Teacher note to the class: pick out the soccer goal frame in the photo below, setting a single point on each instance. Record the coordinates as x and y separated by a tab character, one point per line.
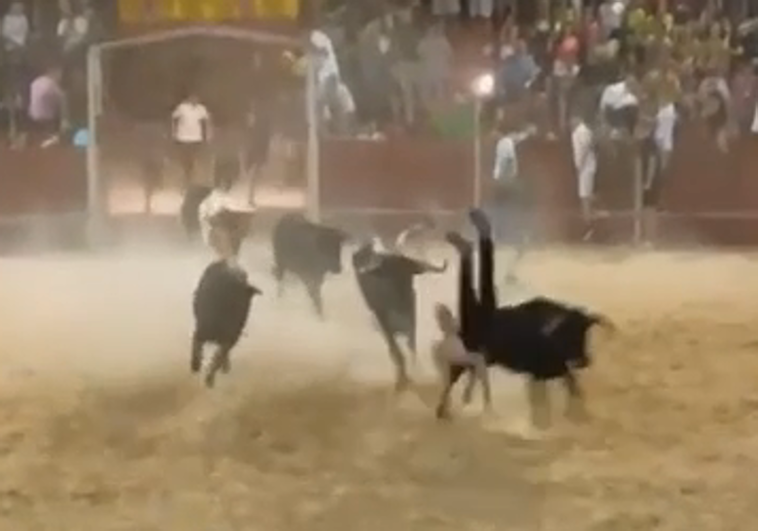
97	199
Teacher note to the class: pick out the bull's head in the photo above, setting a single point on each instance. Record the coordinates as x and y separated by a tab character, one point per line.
331	242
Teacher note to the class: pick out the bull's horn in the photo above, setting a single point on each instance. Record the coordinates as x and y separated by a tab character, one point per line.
605	322
402	238
431	268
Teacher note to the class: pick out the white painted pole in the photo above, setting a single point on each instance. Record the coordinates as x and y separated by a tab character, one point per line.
477	153
639	178
313	195
95	206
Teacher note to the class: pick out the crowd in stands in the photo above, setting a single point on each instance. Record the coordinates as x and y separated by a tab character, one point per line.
43	66
411	68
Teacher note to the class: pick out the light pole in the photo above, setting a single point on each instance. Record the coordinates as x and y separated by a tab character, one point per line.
482	89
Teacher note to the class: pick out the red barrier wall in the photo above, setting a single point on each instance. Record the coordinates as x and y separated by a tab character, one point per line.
42	181
413	174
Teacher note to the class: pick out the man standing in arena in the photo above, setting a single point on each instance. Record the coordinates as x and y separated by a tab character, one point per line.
191	124
657	150
509	195
585	163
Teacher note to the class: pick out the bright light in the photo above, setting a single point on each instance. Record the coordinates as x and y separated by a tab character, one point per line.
483	86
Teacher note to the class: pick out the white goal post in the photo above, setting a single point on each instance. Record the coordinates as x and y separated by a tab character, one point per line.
96	192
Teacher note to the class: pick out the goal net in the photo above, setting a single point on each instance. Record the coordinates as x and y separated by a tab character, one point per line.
135	84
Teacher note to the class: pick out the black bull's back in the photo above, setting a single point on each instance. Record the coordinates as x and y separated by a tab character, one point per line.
306	249
388	291
540	337
221	304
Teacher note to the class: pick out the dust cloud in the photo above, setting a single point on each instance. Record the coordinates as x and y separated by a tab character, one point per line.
104	428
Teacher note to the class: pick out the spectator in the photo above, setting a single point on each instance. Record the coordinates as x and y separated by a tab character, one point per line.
376	74
619	107
328	78
15	29
565	72
436	56
585	164
715	101
46	105
611	14
406	68
191	131
15	34
446	8
73	28
481	9
656	153
517	72
509	192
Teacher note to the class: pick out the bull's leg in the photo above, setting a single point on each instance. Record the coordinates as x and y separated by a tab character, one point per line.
487	296
468	304
575	406
220	359
196	354
278	273
313	287
452	375
539	404
396	354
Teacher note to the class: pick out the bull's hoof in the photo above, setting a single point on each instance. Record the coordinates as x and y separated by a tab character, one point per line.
402	384
481	222
443	413
459	242
577	413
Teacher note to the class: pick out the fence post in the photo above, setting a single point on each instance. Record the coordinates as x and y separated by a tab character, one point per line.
638	190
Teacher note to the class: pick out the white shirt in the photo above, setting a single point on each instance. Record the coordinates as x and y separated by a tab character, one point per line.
73	30
754	127
506	158
216	201
582	147
16	29
325	60
665	121
189	119
617	96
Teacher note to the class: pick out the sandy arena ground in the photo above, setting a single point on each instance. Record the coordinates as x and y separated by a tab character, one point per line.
103	428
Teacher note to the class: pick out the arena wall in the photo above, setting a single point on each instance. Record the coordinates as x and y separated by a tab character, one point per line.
390	179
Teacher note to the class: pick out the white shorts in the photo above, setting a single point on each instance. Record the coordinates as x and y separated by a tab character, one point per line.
586	182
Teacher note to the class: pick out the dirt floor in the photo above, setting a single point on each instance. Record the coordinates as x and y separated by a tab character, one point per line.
102	427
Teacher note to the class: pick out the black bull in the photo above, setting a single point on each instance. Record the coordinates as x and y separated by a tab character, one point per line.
386	282
221	305
309	251
541	338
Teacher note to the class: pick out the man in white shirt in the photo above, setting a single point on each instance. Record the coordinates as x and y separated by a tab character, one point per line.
585	163
73	28
327	73
15	28
190	131
656	152
508	194
619	107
